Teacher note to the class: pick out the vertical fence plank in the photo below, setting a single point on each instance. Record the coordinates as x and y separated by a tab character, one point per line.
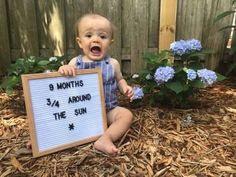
4	39
26	25
167	23
153	28
139	33
212	37
43	28
112	10
13	31
126	23
80	8
190	20
53	38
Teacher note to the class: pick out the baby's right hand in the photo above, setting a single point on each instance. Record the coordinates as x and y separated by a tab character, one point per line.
67	70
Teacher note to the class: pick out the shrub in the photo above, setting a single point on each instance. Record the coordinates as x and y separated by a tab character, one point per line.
175	82
29	65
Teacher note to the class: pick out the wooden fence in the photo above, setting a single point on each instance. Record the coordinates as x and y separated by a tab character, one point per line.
46	27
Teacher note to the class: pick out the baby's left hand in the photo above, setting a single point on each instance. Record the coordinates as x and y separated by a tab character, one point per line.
128	91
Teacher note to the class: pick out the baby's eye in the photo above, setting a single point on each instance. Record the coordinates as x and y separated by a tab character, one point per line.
88	35
103	36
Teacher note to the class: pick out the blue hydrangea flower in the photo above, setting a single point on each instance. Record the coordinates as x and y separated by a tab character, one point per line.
138	93
182	47
194	45
163	74
191	74
179	47
208	77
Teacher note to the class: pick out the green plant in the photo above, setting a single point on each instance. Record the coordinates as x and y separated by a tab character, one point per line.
175	82
29	65
232	50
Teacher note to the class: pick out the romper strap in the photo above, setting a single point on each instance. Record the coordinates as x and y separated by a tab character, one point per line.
107	58
79	60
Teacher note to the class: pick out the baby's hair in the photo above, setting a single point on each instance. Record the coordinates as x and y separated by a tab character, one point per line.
93	15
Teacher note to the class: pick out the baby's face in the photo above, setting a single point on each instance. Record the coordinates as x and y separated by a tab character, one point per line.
95	37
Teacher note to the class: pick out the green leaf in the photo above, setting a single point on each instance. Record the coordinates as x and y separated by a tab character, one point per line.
220	77
197	84
202	53
195	65
227	27
9	90
10	82
43	62
177	87
224	14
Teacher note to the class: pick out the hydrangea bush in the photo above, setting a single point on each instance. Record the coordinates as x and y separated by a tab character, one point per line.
175	82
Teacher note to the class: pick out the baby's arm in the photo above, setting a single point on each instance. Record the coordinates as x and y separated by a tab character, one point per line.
69	69
122	84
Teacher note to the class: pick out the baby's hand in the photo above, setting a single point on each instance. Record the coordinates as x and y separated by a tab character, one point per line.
128	91
67	70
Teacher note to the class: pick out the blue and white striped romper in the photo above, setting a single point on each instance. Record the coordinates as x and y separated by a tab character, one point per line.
109	81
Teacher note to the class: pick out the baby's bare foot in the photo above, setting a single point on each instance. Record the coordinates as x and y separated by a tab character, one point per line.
105	145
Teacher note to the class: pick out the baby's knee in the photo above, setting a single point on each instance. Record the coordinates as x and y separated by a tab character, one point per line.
129	116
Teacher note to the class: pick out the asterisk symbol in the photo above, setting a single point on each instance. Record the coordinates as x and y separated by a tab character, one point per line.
71	126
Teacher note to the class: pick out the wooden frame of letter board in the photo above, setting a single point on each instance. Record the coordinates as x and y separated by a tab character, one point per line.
30	115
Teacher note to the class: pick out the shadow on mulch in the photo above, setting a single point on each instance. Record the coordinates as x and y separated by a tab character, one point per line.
162	141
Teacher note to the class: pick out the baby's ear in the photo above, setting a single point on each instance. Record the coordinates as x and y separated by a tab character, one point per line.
112	41
78	40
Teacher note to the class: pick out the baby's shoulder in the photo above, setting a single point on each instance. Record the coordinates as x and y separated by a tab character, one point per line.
113	61
73	61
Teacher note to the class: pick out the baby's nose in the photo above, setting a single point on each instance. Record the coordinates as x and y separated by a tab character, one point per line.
96	39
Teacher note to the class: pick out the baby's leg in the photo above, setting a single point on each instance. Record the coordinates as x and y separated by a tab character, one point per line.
119	120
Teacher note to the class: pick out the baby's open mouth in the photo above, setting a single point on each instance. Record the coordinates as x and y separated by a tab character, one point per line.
95	50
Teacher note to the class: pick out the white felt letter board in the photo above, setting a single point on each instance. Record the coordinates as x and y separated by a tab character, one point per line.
64	111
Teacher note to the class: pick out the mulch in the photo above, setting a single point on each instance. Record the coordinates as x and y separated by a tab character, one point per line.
162	141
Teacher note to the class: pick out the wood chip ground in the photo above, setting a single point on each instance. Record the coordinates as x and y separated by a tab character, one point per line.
160	142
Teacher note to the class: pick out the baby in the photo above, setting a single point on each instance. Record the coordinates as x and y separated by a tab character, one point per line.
94	35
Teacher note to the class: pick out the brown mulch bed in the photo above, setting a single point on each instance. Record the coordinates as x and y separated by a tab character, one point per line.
160	142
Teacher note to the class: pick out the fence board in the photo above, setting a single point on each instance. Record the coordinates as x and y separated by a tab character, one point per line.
167	24
43	27
74	10
52	14
139	35
219	40
112	10
190	20
27	28
4	39
13	31
154	15
126	23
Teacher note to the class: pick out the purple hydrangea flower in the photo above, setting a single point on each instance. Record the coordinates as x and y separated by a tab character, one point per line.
179	47
182	47
138	93
191	74
208	77
163	74
194	45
